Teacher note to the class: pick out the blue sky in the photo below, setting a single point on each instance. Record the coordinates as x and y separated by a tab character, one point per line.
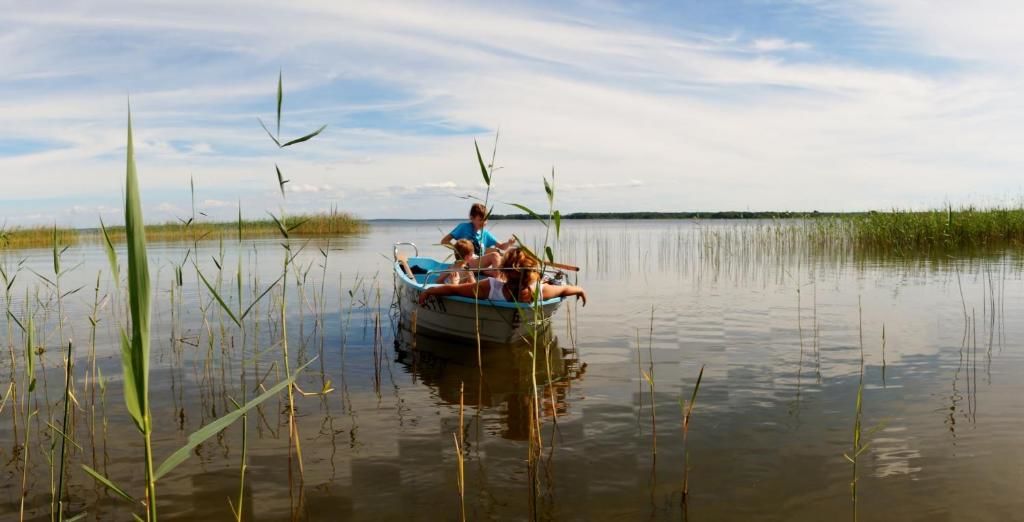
674	105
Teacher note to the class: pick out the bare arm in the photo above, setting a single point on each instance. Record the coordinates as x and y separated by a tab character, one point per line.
508	243
447	239
552	291
480	288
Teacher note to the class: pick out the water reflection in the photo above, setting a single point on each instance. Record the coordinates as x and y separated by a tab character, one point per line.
779	333
505	383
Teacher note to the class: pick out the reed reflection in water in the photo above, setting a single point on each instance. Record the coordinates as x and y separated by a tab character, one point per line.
775	325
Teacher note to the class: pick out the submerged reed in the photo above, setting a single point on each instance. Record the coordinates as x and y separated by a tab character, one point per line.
687	410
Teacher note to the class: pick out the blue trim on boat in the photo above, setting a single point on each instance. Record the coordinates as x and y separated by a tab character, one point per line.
429	264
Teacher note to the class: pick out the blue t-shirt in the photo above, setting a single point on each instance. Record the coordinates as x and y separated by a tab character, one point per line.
482	239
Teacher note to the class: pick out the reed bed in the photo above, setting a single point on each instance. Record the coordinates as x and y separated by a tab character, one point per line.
35	236
48	438
966	230
324	224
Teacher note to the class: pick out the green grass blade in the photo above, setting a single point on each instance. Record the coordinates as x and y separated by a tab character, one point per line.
16	321
557	217
64	436
278	143
10	390
297	225
526	209
219	299
280	226
30	365
72	292
56	253
108	246
693	397
216	426
483	168
131	399
44	278
139	293
306	137
280	179
280	98
108	483
525	248
265	292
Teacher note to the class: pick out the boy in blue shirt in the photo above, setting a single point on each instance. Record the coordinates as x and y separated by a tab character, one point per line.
485	245
474	231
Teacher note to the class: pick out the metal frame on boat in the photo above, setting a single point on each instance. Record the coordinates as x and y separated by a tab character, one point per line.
500	322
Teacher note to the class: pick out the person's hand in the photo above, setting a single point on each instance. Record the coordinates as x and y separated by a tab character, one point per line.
423	298
582	296
511	241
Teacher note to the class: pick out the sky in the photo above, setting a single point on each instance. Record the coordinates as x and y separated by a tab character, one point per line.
634	106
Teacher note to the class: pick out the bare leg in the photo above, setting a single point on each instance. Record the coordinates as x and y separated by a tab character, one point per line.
404	262
490	260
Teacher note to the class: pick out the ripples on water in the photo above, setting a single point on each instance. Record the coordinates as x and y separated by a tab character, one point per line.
775	325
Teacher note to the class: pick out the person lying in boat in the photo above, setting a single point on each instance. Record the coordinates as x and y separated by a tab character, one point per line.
464	258
484	242
521	274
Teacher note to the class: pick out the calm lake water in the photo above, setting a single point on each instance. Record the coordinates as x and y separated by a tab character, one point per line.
781	333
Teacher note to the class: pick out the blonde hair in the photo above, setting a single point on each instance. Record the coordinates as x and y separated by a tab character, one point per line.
521	274
463	248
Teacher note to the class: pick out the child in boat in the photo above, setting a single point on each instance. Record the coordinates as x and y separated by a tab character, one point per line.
521	279
473	230
464	258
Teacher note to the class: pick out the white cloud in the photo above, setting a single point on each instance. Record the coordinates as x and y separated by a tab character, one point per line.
218	203
170	210
779	44
306	187
632	183
982	32
691	121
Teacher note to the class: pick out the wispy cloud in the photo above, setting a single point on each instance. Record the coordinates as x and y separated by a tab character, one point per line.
719	115
779	44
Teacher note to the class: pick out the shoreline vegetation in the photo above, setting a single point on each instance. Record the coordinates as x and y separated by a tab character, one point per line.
894	232
302	225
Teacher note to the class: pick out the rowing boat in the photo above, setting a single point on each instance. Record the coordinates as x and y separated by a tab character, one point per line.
498	322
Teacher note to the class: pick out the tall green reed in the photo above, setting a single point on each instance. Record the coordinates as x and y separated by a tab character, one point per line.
28	331
135	357
537	323
286	228
687	410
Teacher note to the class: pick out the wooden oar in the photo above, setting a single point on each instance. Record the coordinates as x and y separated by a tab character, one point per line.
561	266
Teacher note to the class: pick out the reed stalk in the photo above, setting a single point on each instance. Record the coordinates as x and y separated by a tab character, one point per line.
135	356
68	376
687	409
8	278
459	445
28	329
286	229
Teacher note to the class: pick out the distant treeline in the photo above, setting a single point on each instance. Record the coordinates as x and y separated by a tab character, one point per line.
685	215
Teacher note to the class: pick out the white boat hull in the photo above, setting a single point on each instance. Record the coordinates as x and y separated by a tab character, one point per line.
459	317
